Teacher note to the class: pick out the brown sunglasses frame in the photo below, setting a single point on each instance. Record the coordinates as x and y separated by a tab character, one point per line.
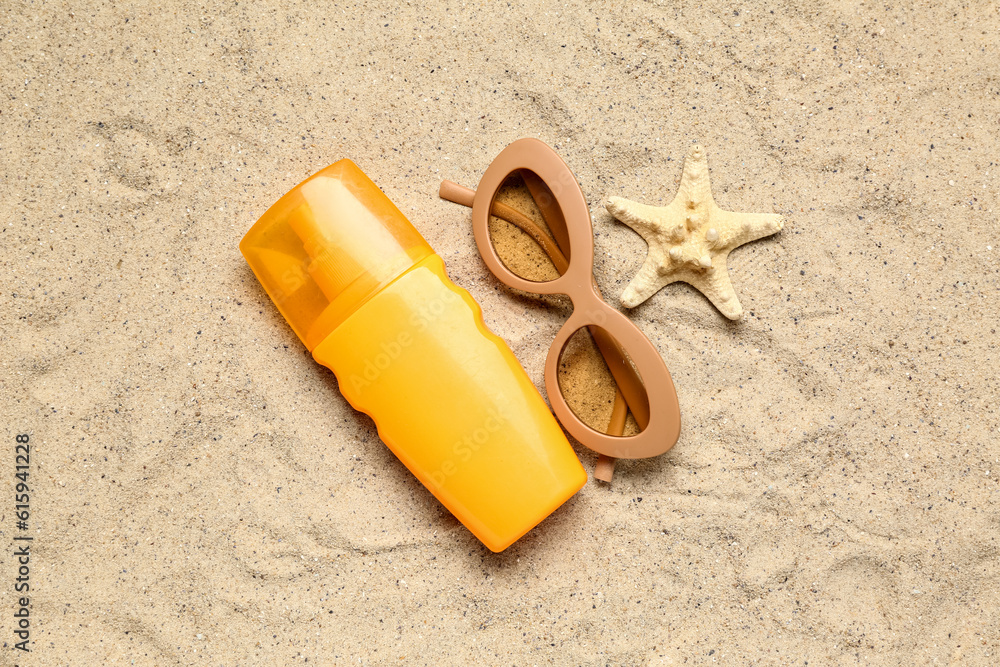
577	282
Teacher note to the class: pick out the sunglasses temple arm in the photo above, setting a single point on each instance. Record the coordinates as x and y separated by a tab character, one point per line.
547	206
605	468
456	193
459	194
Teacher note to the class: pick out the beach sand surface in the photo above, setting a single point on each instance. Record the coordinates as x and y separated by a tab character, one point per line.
202	494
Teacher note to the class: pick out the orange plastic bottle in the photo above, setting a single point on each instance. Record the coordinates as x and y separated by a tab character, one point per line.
370	299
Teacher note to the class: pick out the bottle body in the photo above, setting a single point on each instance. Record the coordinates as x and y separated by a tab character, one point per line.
454	404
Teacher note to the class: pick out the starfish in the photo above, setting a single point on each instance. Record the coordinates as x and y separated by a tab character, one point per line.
690	239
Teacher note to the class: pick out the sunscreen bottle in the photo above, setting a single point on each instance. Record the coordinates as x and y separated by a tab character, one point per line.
371	300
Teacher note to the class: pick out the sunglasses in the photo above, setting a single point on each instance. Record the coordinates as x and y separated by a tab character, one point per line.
644	386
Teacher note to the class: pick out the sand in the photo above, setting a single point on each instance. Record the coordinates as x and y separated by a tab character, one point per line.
200	492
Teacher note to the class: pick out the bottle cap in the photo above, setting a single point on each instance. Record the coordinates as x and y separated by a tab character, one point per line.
327	246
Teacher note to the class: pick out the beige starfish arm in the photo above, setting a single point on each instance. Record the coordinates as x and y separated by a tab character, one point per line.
735	229
644	219
716	285
646	283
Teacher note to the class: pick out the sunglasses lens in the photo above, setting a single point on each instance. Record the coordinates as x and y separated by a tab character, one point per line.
527	229
590	389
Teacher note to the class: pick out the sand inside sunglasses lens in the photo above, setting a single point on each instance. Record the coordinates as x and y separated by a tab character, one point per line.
519	251
587	383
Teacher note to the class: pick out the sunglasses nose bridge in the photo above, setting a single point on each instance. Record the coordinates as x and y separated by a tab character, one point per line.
588	309
578	284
